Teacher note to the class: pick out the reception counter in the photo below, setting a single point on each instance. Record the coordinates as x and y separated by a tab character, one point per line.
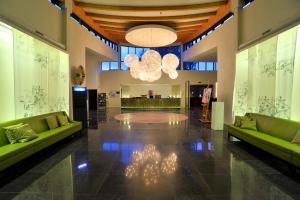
140	103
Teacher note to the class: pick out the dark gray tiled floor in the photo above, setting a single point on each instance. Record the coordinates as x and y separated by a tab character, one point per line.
209	167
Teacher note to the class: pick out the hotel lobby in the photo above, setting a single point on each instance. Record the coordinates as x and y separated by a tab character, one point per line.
133	99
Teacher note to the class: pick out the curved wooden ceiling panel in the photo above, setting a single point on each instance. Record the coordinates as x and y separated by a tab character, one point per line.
145	3
100	7
154	18
187	17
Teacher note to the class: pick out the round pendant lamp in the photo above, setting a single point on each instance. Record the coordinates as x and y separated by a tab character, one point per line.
151	35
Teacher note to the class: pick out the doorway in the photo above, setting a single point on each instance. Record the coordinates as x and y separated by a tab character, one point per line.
196	92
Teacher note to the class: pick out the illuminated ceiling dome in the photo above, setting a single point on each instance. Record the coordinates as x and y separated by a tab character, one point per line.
151	35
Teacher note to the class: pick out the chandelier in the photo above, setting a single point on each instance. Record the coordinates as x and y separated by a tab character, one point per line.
151	65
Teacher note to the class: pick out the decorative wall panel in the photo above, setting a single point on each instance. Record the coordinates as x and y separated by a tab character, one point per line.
267	75
40	76
7	107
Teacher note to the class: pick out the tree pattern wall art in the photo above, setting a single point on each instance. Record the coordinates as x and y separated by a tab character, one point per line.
40	76
267	77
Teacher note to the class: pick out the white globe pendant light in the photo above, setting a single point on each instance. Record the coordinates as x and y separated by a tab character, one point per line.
152	60
169	63
131	60
134	72
173	74
151	66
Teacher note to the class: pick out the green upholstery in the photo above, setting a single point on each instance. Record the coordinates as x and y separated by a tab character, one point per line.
296	139
249	124
52	121
296	158
12	153
20	134
281	128
268	137
63	120
11	133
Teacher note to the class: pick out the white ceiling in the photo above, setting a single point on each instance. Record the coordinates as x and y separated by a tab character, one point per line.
211	54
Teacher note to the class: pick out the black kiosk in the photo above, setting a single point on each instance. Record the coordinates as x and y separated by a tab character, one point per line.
80	111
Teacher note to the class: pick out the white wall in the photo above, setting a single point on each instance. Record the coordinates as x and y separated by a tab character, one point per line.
225	40
78	41
35	15
92	69
264	15
112	81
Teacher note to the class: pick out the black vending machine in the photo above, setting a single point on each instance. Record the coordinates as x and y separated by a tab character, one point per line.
80	111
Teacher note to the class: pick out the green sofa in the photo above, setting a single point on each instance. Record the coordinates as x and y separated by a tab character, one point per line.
13	153
273	135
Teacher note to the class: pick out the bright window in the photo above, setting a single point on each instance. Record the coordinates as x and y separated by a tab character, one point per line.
200	66
109	65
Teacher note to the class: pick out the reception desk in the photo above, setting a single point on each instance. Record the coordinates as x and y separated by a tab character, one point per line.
140	103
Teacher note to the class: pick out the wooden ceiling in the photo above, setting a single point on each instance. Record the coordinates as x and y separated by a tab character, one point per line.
112	19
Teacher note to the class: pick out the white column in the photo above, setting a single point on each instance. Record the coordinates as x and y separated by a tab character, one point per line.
217	116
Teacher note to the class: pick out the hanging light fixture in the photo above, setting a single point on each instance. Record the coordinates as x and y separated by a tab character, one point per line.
151	35
131	59
152	59
173	74
169	63
151	66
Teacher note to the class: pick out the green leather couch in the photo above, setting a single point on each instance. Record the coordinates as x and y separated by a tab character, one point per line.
273	135
13	153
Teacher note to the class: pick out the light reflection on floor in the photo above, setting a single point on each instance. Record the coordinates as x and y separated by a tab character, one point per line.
150	165
151	117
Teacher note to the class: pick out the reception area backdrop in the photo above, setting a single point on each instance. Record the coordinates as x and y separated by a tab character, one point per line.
34	76
267	77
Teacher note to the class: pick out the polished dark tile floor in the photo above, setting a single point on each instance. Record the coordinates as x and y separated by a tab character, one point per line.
92	166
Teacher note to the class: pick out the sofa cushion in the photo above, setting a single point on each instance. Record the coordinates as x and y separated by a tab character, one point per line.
55	132
296	139
280	128
12	133
249	124
63	120
20	134
238	120
27	133
52	121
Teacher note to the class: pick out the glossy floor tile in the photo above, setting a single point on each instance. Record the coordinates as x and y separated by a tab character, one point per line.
174	160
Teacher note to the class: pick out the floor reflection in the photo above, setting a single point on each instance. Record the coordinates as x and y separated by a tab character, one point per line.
200	146
150	161
149	165
151	117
